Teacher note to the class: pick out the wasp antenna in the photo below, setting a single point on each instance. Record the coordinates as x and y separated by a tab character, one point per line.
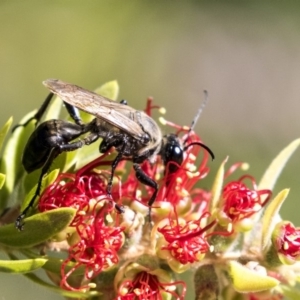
203	146
195	120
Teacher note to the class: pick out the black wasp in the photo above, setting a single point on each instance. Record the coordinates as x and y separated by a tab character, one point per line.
133	133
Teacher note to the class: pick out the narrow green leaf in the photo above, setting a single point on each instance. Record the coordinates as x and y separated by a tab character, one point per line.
69	161
245	280
53	110
22	265
54	265
2	180
109	90
217	186
4	130
271	217
86	155
65	293
11	160
38	228
273	171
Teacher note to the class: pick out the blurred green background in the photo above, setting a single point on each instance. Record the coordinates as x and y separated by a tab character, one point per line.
245	53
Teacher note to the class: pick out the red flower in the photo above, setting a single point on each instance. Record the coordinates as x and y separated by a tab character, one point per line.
96	250
150	285
240	202
186	241
286	239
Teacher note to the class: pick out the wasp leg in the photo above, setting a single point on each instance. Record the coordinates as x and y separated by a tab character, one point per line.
19	224
74	113
145	179
114	165
19	221
106	144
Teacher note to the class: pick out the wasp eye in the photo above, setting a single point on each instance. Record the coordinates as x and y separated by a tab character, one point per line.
172	152
145	138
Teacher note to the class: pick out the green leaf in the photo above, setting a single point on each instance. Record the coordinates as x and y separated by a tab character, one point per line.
246	281
206	283
38	228
86	155
54	265
21	266
290	293
109	90
273	171
217	186
53	110
65	293
69	161
4	130
2	180
11	160
271	217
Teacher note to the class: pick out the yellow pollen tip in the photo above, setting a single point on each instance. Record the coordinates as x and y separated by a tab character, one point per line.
192	157
203	222
138	292
185	127
179	180
245	166
157	176
162	120
193	169
124	291
193	226
184	192
81	213
92	285
109	219
229	227
162	110
192	174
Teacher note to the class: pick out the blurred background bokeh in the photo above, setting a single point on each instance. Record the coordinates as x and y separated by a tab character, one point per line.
245	53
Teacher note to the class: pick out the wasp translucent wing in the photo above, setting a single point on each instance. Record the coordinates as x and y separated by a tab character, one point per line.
121	116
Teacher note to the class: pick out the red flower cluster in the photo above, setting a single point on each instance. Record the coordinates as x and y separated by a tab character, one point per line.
99	240
181	214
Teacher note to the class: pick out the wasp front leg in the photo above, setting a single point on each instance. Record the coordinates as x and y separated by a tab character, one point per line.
145	179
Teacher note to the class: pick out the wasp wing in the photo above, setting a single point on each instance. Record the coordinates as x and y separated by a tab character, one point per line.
119	115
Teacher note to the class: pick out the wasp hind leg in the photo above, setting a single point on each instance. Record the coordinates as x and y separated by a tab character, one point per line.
19	224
